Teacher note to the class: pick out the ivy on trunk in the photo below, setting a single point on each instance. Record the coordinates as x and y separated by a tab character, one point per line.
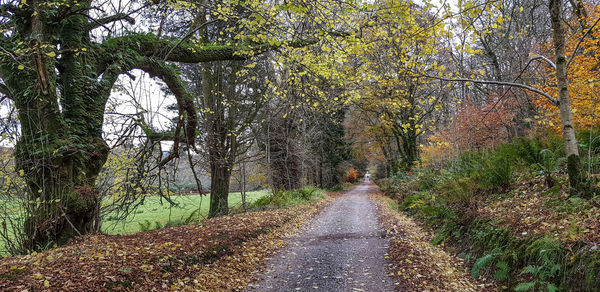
60	81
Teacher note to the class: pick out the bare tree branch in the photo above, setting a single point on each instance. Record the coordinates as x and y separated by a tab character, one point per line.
552	64
513	84
103	21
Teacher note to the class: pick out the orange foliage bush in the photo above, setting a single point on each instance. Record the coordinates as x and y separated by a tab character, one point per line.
475	127
480	127
352	175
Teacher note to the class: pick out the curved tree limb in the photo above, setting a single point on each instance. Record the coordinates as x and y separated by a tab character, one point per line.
552	64
142	54
187	119
512	84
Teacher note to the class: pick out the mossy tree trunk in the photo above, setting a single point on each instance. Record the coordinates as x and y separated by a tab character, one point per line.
406	141
60	151
220	176
60	81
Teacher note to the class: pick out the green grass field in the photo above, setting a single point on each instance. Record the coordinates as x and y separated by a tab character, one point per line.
153	211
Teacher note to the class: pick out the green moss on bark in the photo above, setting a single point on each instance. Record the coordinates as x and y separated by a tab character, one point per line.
574	170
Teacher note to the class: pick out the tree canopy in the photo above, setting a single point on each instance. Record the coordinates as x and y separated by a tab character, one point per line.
303	90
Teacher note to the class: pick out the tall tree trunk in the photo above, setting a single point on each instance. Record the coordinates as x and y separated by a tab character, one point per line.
564	102
410	149
243	170
220	172
286	169
321	172
219	189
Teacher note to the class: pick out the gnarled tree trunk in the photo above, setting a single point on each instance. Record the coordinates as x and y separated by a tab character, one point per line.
60	81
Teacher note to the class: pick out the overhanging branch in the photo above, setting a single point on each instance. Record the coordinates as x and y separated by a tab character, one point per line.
170	49
552	64
504	83
149	45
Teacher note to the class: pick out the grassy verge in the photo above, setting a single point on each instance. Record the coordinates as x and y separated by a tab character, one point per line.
221	254
156	213
288	198
508	214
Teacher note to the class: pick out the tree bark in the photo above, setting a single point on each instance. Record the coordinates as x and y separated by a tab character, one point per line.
219	189
284	164
243	171
564	102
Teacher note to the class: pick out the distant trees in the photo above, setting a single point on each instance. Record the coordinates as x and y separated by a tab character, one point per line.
352	175
330	147
396	100
305	146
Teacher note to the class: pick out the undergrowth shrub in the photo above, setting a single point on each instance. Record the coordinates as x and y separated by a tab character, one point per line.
446	200
399	185
492	171
289	197
261	202
457	190
583	269
496	173
546	256
427	180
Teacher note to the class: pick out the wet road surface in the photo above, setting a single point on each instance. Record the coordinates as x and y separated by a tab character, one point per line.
342	249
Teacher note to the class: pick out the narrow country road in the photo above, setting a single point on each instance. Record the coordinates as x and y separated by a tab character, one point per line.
342	249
